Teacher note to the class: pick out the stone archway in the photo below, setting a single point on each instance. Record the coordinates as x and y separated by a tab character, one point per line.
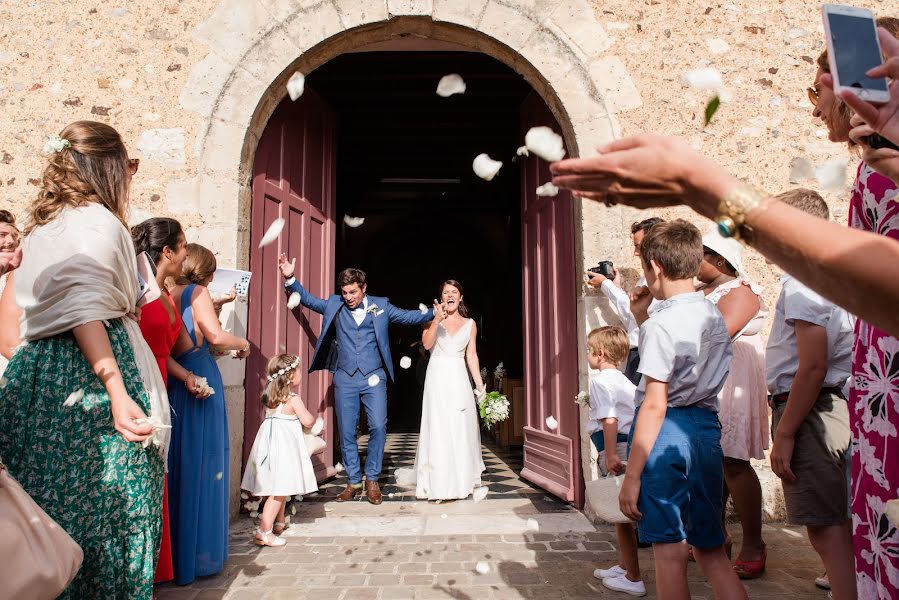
558	46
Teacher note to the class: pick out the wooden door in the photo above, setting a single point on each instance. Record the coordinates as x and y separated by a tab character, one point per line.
551	456
294	178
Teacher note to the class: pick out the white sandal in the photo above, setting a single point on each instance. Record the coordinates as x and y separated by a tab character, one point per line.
279	527
267	539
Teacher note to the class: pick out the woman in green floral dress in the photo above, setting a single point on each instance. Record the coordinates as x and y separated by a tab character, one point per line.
74	429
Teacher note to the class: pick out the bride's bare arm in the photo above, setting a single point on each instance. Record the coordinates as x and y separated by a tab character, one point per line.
471	357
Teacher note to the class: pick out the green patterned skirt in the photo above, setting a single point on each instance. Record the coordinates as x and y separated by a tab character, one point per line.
104	491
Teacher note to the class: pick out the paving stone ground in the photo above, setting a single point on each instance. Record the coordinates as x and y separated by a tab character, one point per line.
415	550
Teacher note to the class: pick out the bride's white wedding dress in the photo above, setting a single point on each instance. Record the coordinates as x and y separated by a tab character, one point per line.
448	463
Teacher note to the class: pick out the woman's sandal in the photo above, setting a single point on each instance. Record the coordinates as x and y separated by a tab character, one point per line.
279	527
267	538
751	569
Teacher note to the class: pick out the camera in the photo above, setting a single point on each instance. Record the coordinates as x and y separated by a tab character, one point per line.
604	268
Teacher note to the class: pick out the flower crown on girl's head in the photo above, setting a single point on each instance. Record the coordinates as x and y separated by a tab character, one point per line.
285	370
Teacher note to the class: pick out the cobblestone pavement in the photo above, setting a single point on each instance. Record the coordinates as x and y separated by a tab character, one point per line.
426	550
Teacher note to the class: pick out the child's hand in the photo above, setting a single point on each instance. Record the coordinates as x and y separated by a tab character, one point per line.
614	465
627	498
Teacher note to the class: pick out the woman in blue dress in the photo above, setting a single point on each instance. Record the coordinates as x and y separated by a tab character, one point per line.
198	459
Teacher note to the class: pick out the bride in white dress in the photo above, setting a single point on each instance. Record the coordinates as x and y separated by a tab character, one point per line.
448	463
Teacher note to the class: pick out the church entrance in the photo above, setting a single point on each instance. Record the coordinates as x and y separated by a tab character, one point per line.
370	139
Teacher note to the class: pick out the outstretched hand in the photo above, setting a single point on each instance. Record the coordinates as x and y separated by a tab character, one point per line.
287	266
439	311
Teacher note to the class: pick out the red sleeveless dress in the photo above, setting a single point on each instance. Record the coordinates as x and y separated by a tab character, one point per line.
161	334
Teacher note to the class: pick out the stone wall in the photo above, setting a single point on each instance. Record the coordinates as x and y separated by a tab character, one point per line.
191	84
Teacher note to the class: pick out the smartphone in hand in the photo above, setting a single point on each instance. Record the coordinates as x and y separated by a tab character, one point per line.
853	49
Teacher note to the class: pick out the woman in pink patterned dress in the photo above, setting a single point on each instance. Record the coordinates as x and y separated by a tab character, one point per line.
874	385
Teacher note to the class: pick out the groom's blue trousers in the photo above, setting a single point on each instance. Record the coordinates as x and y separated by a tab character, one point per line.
350	391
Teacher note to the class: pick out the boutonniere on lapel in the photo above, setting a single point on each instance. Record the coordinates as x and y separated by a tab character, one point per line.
373	310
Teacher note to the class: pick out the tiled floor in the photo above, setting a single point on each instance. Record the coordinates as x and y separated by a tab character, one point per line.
501	475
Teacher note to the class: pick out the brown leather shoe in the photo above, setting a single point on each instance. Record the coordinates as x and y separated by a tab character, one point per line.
349	493
373	492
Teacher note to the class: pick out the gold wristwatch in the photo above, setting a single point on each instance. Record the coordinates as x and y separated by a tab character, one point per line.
733	209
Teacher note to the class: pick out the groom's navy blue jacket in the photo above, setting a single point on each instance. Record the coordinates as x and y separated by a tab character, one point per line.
358	352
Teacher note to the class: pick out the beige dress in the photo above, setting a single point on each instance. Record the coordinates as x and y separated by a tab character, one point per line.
744	397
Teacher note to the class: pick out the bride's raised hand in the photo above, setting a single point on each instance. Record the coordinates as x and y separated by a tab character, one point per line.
439	312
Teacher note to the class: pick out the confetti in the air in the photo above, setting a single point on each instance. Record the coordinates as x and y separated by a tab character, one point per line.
703	79
545	143
293	301
800	169
485	167
274	230
480	493
547	189
551	422
450	84
422	308
353	222
443	516
338	467
831	176
522	151
373	381
405	362
317	426
295	85
218	476
482	567
74	397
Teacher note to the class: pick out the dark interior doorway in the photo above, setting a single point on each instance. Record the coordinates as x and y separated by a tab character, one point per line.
404	158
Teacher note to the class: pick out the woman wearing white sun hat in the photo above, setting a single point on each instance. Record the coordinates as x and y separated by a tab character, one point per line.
744	407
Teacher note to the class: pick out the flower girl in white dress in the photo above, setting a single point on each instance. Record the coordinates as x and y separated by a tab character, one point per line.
448	463
279	465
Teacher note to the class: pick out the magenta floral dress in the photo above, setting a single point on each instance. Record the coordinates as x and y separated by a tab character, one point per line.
874	412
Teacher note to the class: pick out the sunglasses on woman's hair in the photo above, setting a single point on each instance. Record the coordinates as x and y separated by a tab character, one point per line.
133	164
812	96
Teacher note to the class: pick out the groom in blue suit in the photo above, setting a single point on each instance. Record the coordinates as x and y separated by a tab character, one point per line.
353	344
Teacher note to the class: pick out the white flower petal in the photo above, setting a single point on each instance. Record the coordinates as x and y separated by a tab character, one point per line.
405	476
450	84
244	496
480	493
274	230
74	397
373	381
443	516
219	475
547	189
338	467
293	510
545	143
353	222
298	497
287	520
296	85
317	426
254	514
703	79
390	495
532	525
522	151
801	169
831	176
422	308
405	362
482	567
485	167
293	301
717	46
552	423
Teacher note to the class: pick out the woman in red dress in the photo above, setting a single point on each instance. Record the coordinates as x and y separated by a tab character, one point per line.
163	240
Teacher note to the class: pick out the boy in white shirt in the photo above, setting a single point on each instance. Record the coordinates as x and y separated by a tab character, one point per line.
611	414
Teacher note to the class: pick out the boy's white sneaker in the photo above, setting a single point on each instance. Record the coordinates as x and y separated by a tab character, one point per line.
612	572
622	584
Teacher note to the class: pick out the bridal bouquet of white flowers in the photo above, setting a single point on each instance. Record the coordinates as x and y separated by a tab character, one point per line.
493	408
582	398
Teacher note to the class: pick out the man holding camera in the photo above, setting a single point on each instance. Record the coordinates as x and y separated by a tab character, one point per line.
606	277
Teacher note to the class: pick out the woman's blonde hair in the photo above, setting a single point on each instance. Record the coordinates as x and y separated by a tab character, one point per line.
280	372
198	267
93	168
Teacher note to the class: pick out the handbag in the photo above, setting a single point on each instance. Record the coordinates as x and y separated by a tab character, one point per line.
38	559
602	498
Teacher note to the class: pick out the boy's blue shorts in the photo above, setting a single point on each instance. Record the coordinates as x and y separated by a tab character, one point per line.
682	483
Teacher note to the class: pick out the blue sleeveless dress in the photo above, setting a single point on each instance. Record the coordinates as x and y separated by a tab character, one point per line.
198	464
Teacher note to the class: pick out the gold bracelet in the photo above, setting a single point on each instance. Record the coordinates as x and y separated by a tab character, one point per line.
733	209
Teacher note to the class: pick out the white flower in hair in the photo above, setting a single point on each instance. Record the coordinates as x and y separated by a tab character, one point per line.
56	144
285	370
